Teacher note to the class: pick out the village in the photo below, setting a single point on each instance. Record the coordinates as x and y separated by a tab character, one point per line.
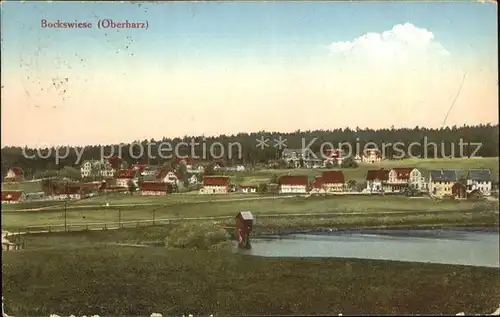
185	175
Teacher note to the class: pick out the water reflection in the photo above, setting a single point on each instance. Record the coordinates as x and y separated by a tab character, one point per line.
462	247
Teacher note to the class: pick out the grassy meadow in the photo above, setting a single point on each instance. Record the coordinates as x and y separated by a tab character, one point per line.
349	205
124	281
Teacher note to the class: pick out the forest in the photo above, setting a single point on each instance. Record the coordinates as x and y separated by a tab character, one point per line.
34	162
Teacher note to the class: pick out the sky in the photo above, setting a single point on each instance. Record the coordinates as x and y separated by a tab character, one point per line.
210	68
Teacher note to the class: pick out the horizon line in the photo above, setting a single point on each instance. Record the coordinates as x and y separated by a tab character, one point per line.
234	134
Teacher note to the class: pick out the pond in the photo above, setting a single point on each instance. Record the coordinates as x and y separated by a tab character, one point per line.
471	246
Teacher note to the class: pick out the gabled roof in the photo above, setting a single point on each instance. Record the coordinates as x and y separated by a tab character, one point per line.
13	195
153	186
17	171
125	173
317	183
332	177
402	172
245	215
443	175
380	174
215	181
293	180
115	161
479	174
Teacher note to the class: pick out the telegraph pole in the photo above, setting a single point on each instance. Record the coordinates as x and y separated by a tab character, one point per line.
66	215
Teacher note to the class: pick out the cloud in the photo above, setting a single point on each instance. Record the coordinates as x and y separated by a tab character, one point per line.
403	40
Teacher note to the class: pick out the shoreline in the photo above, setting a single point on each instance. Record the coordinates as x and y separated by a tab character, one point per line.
410	227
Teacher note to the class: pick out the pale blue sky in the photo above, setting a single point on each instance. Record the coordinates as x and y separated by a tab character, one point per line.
210	40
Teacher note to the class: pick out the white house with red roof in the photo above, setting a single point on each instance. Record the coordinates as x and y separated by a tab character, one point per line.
154	188
123	178
404	177
167	175
293	184
215	185
13	197
15	174
333	181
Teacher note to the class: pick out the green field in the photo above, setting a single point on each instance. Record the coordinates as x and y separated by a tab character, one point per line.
123	281
333	204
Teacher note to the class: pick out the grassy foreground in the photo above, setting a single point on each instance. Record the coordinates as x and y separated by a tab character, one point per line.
333	204
124	281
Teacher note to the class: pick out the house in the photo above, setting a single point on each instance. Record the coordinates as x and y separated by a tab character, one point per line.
215	185
168	175
371	156
115	162
417	180
13	196
192	179
95	168
399	179
333	181
459	191
441	182
294	157
376	180
317	186
293	184
247	189
15	174
66	191
123	178
154	188
333	156
479	179
139	168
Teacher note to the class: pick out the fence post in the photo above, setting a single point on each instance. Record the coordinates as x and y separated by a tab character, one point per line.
105	228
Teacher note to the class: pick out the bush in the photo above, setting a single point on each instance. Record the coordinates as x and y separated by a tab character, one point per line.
198	236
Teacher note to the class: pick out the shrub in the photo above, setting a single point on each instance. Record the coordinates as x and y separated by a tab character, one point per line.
198	236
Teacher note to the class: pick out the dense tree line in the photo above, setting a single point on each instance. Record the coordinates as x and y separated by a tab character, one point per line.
242	148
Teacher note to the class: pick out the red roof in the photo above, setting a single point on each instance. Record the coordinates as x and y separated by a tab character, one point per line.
17	171
11	195
333	153
293	180
115	162
215	181
125	173
333	177
138	167
380	174
403	172
318	182
153	186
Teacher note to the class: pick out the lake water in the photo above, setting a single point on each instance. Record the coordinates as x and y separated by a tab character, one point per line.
476	247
